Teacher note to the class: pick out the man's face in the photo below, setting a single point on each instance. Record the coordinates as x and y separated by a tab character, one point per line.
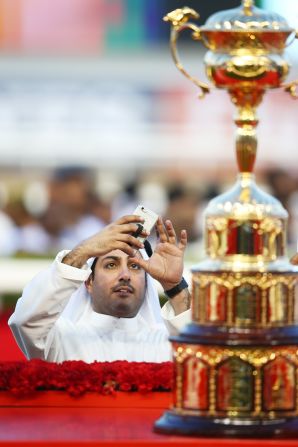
118	285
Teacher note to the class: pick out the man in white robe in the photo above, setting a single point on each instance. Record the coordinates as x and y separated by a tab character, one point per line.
110	312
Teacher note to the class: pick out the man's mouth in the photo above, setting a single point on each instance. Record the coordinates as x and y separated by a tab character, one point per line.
123	289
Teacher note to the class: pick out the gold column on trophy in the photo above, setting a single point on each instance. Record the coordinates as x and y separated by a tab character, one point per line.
236	363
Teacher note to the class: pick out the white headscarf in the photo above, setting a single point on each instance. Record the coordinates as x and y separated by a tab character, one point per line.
80	303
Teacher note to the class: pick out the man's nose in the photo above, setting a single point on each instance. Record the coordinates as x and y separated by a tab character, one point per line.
124	274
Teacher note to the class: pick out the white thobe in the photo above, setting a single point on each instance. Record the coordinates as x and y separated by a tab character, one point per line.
43	329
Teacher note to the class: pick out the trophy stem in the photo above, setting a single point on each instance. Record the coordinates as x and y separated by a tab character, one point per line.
246	138
246	121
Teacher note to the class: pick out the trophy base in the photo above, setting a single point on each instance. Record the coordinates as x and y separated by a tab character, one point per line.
185	425
194	333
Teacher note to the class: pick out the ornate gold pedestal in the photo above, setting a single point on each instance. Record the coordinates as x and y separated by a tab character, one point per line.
236	364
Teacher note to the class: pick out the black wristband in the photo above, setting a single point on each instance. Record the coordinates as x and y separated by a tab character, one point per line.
177	289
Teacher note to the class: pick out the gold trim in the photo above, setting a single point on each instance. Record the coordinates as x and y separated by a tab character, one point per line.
179	383
258	392
257	358
212	392
264	282
264	307
291	303
269	230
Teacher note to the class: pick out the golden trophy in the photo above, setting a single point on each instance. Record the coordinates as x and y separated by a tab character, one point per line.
236	363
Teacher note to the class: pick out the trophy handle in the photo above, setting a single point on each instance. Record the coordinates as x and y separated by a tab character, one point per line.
179	22
292	86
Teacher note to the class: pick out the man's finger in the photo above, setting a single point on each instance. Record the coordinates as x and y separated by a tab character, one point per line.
171	232
163	237
140	262
126	248
183	240
128	219
131	240
129	228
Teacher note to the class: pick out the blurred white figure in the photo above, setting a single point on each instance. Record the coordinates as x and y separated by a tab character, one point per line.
9	237
34	239
85	227
154	196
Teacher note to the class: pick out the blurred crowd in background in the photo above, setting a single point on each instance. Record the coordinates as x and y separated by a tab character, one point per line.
69	204
95	119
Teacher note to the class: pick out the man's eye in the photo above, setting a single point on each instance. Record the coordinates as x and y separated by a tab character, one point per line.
135	266
110	265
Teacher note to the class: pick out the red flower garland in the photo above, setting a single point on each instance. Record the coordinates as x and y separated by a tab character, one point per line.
76	377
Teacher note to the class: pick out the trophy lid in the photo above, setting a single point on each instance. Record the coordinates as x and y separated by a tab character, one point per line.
245	200
245	230
246	18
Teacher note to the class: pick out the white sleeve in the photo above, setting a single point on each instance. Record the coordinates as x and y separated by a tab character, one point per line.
42	302
174	322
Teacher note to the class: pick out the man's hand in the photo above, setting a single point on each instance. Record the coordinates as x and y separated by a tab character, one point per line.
167	262
115	236
294	259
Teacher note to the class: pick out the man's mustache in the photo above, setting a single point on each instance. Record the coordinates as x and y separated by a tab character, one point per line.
123	284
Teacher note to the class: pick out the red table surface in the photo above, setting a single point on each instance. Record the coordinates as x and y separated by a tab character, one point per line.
126	419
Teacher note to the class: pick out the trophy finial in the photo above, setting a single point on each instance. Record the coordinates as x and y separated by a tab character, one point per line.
247	7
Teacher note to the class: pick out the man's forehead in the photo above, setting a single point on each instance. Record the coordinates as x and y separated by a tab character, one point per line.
118	254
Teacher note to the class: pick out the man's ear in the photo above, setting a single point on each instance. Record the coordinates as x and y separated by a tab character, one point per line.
89	283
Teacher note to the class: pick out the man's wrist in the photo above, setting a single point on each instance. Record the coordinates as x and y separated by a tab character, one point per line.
175	290
75	258
181	302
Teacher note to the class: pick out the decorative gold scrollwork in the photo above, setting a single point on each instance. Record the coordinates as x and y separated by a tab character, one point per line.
247	67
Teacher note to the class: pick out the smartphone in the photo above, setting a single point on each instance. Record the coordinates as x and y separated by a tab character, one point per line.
150	219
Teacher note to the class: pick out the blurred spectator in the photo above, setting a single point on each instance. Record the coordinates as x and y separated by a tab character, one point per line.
126	201
8	235
30	236
182	209
47	218
70	216
44	216
283	186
